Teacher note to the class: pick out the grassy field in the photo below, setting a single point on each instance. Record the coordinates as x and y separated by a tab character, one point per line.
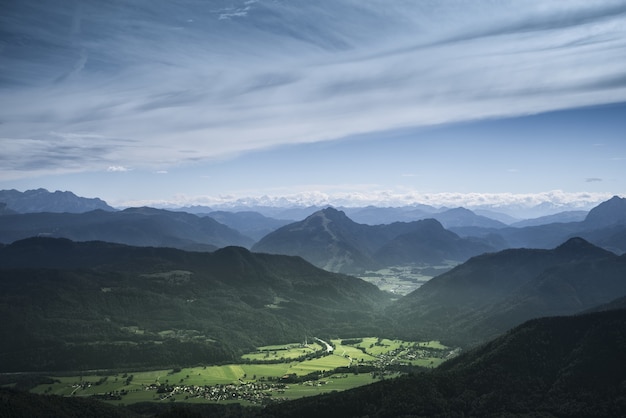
251	383
282	352
402	280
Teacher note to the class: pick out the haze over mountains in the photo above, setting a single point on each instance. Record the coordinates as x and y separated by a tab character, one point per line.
41	200
286	198
492	293
331	240
87	303
327	237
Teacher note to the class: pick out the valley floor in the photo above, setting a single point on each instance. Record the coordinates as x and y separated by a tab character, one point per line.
270	374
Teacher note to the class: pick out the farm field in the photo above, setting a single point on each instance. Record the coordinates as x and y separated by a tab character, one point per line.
270	374
402	280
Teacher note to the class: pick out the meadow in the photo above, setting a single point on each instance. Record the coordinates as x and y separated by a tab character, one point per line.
269	374
402	280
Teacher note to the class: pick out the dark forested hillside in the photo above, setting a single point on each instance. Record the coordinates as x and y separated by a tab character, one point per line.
551	367
489	294
71	306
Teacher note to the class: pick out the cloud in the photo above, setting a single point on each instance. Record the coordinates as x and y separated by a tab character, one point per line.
592	180
118	169
152	86
517	204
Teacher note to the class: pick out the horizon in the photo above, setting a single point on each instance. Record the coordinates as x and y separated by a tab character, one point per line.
524	208
341	103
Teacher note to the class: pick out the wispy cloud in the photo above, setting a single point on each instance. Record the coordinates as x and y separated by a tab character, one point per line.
514	203
152	86
118	169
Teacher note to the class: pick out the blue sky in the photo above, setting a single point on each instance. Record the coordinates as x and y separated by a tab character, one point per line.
342	102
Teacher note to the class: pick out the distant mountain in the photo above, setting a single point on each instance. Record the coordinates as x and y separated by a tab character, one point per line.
331	240
4	210
430	243
195	209
287	211
549	367
498	216
604	225
133	226
92	305
561	217
41	200
491	293
250	224
609	213
464	217
373	215
328	239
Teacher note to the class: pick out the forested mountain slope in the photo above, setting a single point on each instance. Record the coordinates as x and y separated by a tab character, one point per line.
71	306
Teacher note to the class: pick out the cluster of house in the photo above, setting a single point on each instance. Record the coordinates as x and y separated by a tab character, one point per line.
253	392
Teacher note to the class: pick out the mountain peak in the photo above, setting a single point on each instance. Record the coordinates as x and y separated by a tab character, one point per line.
575	243
580	247
41	200
611	212
331	214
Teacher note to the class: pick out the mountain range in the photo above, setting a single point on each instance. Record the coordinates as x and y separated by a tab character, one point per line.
58	296
604	225
328	237
41	200
331	240
133	226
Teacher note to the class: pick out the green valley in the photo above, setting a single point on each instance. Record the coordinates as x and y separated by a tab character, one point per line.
269	374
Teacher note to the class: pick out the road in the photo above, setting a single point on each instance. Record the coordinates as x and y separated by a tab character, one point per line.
329	348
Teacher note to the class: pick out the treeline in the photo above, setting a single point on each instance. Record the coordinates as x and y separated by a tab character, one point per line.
114	356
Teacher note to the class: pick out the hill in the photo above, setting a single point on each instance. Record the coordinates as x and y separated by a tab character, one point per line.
428	242
549	367
41	200
608	213
604	225
491	293
561	217
249	223
327	239
462	217
73	306
331	240
133	226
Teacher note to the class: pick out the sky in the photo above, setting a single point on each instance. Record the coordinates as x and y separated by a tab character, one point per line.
343	102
